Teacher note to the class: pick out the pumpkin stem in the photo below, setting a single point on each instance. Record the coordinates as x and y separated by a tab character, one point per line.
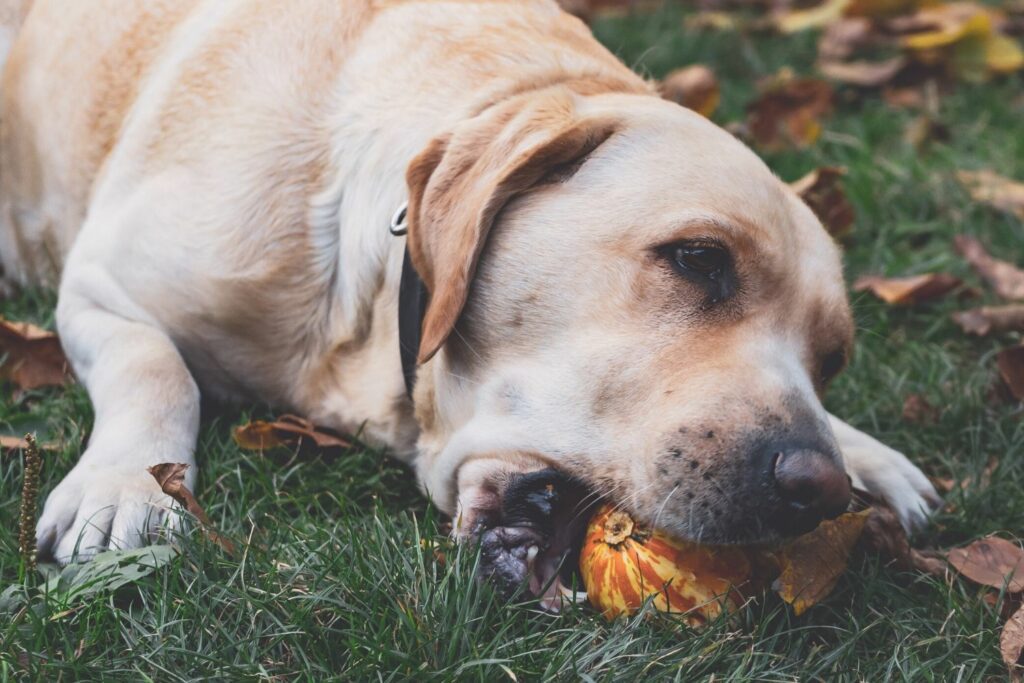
617	528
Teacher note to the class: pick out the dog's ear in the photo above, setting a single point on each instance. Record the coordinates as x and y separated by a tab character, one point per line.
459	184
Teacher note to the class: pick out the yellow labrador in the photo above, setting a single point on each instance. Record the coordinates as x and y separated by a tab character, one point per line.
617	291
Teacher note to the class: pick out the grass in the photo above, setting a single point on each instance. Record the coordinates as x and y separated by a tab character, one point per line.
339	576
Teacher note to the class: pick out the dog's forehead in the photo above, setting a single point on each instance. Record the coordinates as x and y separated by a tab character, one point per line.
668	166
665	159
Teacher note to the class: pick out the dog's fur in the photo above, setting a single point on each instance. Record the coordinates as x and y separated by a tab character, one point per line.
211	182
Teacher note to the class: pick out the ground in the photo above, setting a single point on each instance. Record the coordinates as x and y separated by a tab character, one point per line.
339	576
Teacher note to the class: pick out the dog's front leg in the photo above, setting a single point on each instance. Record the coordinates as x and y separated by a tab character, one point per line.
147	412
886	474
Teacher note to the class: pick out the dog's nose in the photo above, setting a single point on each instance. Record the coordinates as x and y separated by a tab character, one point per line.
812	485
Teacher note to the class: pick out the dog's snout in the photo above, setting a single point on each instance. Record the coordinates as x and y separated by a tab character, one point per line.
811	485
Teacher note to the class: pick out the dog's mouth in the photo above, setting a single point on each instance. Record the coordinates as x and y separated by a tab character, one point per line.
537	543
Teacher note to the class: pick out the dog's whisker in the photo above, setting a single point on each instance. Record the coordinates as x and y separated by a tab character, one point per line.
462	379
662	508
467	344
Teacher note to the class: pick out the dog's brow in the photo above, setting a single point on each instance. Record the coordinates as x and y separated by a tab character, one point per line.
715	225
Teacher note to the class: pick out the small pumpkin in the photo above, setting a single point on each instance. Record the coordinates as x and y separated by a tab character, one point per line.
624	564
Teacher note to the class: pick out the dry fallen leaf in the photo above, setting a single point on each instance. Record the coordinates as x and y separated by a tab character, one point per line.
1011	645
822	190
917	409
995	190
1010	363
695	87
979	483
1005	278
171	478
884	536
904	97
981	321
284	431
863	73
812	564
709	20
817	16
908	290
32	356
788	112
991	561
965	35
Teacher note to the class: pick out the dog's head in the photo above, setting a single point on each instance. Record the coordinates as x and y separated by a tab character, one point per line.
625	292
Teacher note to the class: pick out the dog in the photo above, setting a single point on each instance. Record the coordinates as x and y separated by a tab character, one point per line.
462	229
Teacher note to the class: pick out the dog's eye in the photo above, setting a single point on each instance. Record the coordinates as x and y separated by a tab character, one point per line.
708	260
831	365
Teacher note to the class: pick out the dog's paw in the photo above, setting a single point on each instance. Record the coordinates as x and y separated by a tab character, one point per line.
889	476
508	556
98	508
528	525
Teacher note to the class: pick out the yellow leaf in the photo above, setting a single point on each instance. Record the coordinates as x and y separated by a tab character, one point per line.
812	564
955	23
1003	54
814	17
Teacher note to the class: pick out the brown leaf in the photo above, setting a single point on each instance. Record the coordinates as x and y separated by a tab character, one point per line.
884	536
991	561
1010	363
911	290
32	356
947	484
995	190
286	430
171	478
788	112
918	410
841	40
695	87
863	73
981	321
1011	644
822	190
812	564
257	435
904	97
1005	278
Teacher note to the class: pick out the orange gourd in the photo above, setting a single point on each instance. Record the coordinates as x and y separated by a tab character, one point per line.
624	564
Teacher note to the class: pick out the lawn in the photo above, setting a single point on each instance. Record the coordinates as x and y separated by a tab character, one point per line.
344	570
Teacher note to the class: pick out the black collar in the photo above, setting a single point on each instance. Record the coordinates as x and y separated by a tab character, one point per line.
412	305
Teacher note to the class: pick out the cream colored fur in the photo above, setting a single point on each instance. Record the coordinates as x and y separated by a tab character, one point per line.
211	181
